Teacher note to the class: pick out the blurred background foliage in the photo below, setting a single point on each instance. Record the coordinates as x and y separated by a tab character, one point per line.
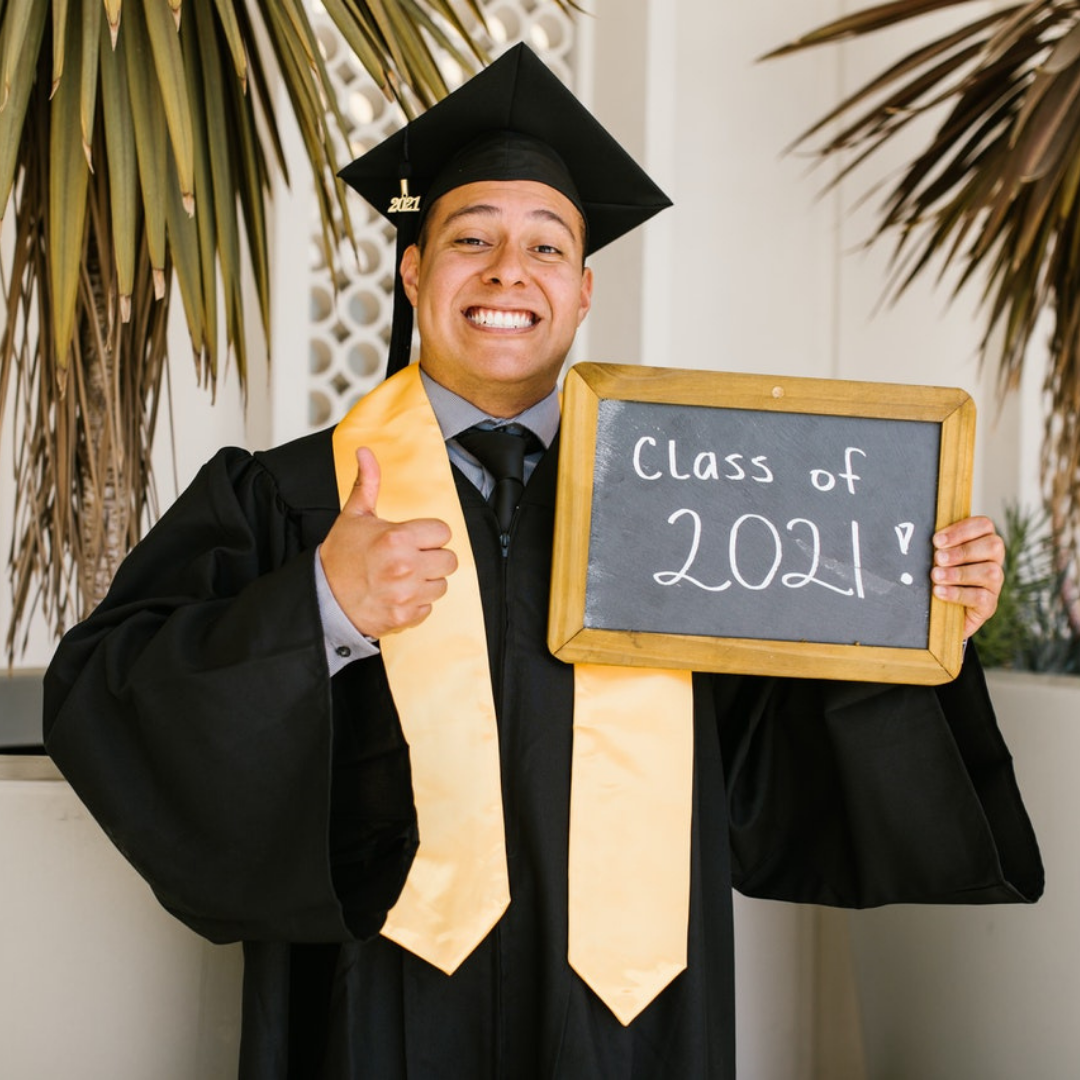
1034	627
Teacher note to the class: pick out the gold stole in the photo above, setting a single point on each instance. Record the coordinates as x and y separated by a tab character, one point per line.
630	807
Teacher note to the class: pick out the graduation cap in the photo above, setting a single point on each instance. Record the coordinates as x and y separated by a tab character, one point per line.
513	121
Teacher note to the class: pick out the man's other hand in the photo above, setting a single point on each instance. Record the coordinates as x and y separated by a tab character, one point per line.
969	557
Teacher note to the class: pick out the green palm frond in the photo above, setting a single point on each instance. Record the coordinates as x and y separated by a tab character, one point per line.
138	142
994	191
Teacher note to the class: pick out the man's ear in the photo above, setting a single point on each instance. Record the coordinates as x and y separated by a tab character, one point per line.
410	272
586	294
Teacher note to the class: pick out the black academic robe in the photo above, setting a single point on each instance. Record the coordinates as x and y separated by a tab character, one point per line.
266	802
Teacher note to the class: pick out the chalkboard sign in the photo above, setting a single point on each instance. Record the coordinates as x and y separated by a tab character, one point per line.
760	524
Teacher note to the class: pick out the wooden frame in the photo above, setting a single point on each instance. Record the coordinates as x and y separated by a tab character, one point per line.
571	640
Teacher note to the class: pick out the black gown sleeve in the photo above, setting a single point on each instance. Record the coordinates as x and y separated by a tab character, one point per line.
858	794
193	714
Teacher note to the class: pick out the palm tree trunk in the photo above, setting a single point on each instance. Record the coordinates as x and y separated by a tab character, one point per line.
105	502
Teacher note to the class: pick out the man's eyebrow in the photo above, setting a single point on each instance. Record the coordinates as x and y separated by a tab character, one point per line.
481	209
550	215
489	210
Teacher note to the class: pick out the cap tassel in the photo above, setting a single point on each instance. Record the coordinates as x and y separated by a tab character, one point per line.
401	326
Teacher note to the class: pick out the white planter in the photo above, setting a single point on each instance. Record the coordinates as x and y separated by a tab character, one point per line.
96	980
989	993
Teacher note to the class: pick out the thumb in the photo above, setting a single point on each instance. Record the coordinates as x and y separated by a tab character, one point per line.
365	492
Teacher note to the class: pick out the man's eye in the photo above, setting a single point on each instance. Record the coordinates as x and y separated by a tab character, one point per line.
471	241
548	249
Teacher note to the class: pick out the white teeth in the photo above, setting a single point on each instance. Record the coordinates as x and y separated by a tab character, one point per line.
500	320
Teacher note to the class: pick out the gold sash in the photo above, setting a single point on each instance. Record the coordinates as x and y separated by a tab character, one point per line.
629	866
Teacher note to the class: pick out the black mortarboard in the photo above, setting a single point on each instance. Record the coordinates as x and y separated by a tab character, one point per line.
513	121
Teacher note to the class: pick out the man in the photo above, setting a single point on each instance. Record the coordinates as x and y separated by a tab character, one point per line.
283	714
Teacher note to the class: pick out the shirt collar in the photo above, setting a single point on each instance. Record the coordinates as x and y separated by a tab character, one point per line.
455	414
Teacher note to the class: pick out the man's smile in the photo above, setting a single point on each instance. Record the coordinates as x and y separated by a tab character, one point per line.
494	318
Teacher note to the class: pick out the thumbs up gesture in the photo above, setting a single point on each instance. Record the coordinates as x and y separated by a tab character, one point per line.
384	574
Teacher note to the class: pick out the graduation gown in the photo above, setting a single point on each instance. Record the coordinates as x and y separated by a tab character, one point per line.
266	802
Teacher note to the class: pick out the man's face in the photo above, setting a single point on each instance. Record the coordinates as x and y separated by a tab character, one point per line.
499	291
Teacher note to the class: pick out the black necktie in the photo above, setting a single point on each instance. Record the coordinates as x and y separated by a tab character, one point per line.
502	452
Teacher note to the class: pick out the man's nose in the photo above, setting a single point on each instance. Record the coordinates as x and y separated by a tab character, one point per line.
507	267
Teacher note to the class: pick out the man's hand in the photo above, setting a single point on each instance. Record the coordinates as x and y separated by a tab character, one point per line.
968	561
384	574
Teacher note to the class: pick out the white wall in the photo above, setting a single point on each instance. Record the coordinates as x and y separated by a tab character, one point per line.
989	993
97	982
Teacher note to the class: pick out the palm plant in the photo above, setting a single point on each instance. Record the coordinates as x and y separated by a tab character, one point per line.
995	190
1035	627
137	144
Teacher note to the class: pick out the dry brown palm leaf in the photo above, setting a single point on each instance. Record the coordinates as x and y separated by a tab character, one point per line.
994	191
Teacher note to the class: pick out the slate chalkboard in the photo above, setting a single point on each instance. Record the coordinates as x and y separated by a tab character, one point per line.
759	524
